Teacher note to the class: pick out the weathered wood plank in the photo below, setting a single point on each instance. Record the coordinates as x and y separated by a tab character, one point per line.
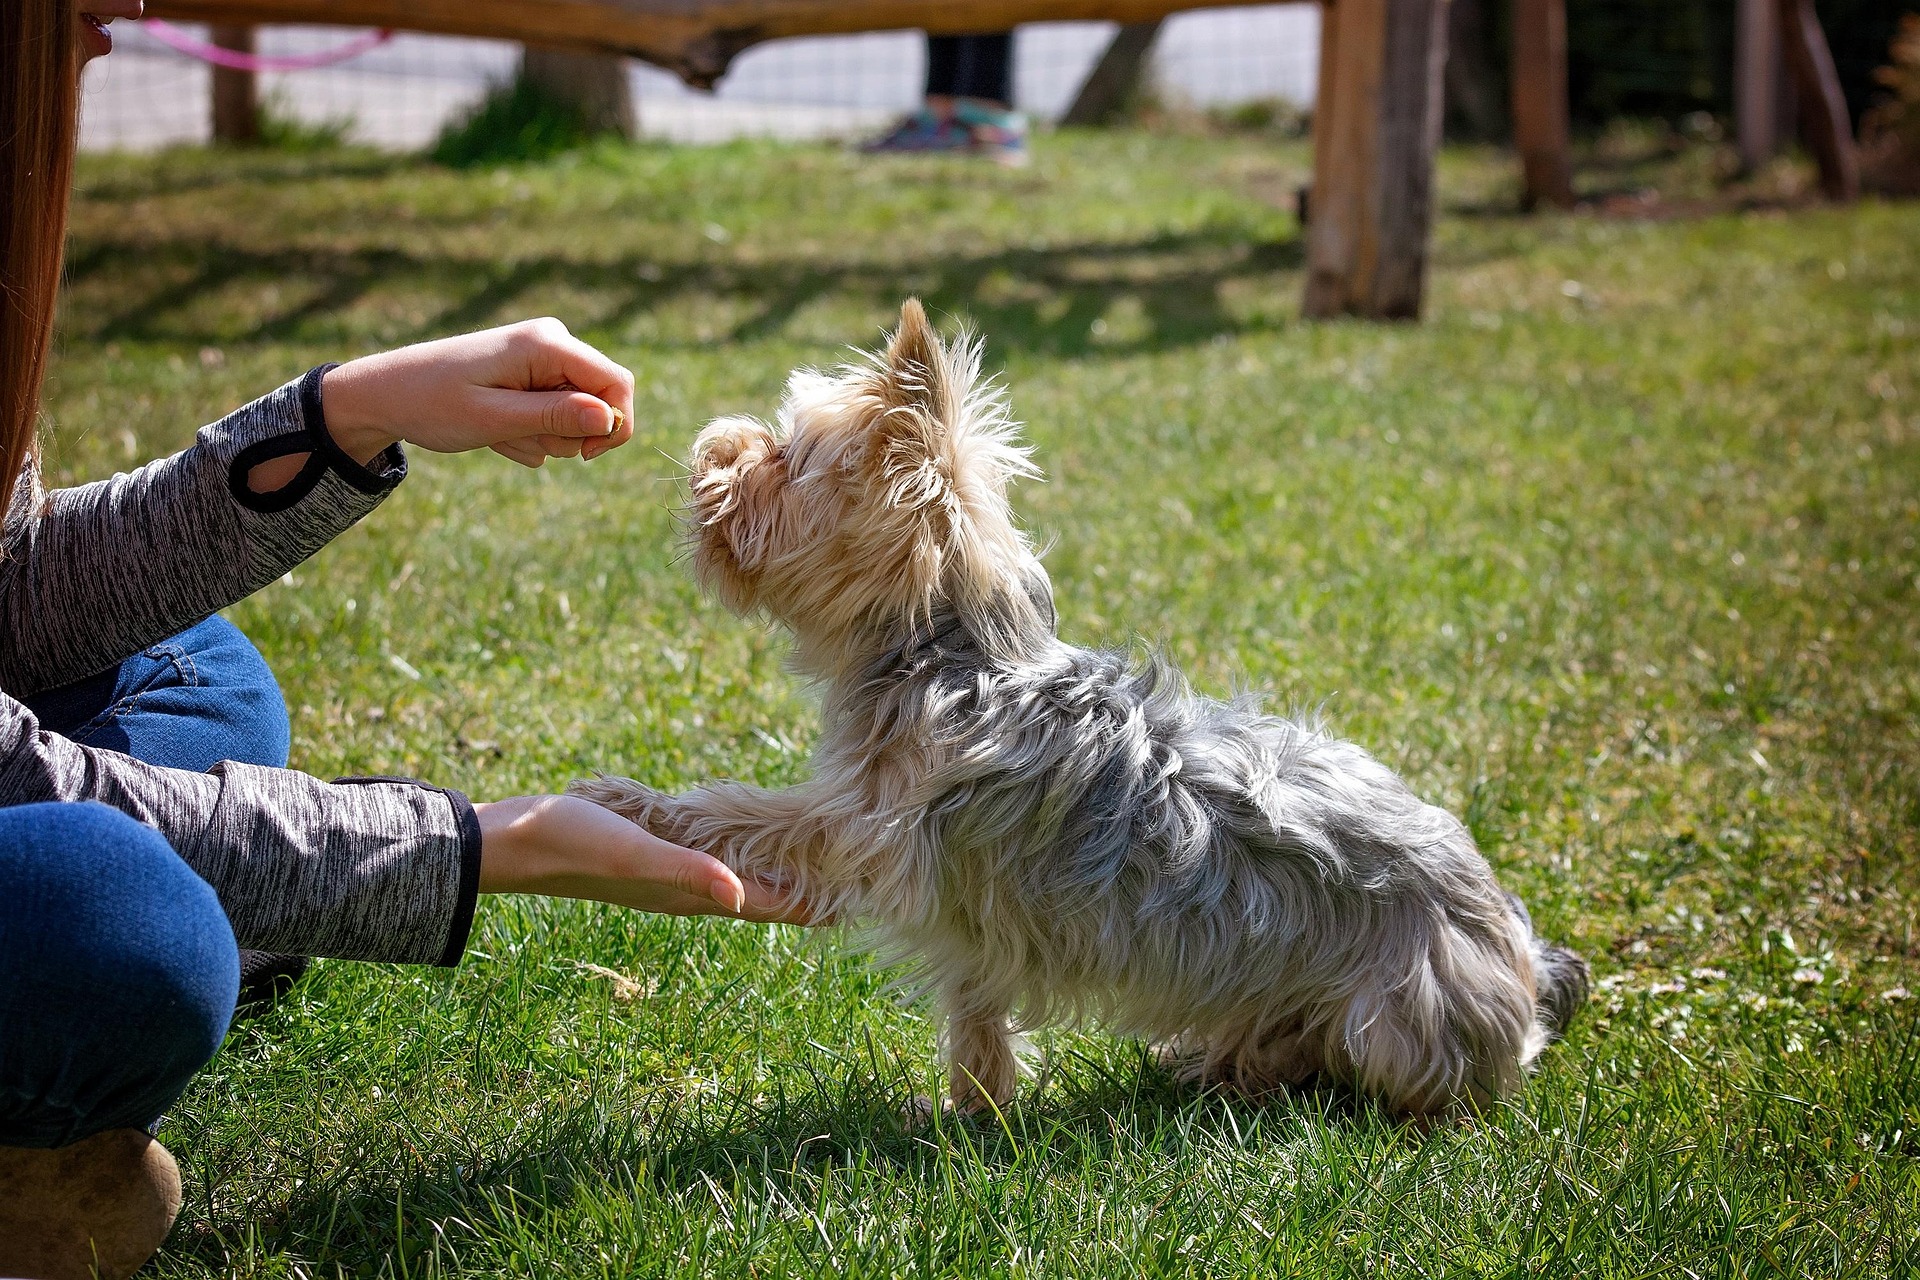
694	38
1541	131
1376	129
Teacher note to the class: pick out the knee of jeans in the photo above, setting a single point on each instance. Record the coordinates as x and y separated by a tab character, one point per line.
224	659
120	950
267	736
181	984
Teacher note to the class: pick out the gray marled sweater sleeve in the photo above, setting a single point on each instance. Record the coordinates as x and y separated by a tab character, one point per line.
369	870
96	573
375	869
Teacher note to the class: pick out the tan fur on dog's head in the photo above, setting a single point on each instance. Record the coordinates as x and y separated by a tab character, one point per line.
877	500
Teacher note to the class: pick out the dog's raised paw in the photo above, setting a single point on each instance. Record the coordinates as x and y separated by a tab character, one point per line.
634	801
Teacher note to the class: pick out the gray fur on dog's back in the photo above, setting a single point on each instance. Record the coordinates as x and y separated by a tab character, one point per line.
1165	861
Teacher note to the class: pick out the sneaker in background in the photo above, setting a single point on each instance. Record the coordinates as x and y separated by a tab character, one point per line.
995	131
923	131
972	127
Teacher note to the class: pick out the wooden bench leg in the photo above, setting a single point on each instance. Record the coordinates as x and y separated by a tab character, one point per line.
236	94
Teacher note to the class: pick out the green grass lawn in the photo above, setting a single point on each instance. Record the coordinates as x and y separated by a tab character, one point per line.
1615	556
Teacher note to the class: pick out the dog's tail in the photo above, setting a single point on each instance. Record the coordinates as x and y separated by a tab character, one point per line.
1561	978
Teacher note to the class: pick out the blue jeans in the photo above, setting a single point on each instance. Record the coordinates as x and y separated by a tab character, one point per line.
118	970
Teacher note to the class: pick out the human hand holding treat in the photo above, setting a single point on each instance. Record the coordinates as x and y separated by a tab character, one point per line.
528	391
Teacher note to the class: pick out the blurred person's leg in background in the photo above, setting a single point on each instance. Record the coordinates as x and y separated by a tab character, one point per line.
969	102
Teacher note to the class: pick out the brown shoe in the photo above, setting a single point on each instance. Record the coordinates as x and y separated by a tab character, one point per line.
98	1207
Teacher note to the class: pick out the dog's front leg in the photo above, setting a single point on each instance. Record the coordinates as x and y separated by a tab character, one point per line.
770	836
637	802
982	1070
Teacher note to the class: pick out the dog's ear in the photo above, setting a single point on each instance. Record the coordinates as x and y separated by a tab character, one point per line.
914	374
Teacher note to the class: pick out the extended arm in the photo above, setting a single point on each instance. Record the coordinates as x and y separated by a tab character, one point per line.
383	869
92	574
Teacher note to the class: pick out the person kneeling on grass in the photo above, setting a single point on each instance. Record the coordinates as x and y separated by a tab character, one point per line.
148	825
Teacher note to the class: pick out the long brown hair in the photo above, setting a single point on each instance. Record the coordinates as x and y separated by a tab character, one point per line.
39	118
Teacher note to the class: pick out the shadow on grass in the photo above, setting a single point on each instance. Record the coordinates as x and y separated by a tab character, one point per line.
1092	1115
1048	300
776	1146
196	168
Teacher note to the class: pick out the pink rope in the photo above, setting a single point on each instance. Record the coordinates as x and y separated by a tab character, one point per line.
173	37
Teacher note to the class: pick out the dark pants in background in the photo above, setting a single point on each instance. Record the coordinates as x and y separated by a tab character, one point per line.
971	67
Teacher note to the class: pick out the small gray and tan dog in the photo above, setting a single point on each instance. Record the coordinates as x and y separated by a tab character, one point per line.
1053	833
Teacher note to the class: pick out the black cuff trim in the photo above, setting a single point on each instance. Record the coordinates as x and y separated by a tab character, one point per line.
469	897
469	894
323	455
389	467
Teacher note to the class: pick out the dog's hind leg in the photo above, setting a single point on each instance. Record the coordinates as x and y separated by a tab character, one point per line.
1254	1059
1458	1028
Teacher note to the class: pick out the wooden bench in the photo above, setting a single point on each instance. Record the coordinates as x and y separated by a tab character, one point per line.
1376	122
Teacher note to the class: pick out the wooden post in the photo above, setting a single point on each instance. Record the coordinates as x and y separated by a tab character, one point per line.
595	83
1756	81
1375	130
236	94
1540	127
1824	122
1323	96
1327	73
1115	77
1476	94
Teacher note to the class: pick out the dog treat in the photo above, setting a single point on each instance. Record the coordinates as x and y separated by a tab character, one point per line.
1056	834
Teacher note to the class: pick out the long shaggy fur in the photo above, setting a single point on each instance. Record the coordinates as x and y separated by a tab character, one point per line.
1056	833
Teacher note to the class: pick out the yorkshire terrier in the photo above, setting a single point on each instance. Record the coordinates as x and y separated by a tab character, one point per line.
1053	833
